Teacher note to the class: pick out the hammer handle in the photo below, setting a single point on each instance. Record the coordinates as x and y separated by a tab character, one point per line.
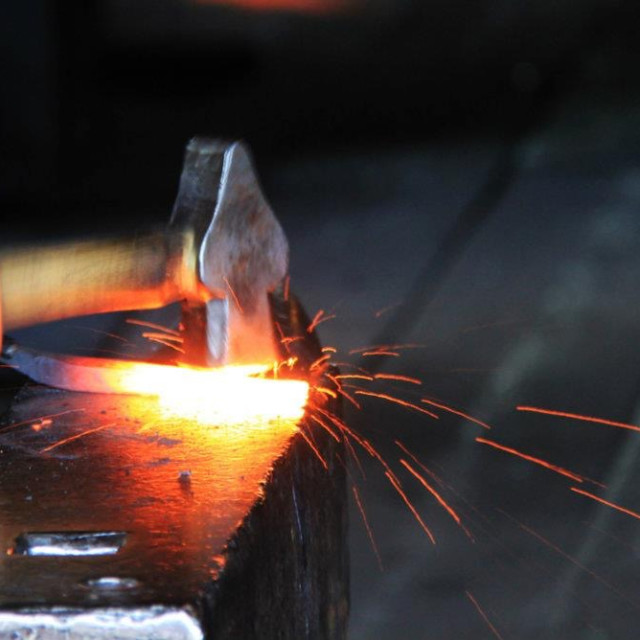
42	284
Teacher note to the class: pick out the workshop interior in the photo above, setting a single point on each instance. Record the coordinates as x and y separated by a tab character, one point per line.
426	211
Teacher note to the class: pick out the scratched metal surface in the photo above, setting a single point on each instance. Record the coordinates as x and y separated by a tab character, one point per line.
176	488
541	308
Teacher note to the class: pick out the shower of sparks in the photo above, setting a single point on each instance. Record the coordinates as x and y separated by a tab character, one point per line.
578	416
617	507
483	615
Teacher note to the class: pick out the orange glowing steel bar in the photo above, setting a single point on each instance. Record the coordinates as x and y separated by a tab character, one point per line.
228	394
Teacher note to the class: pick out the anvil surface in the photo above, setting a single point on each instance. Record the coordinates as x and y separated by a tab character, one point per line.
194	517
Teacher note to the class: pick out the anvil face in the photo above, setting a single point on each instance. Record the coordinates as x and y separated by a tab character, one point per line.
164	493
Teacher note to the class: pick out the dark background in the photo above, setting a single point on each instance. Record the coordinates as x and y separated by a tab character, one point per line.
461	175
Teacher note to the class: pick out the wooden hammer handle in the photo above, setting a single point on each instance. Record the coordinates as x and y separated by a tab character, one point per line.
41	284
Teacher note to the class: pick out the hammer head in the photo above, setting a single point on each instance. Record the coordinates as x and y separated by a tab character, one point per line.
240	254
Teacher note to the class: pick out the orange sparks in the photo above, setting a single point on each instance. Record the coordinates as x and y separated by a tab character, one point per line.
236	300
325	426
353	376
387	347
617	507
327	392
542	463
483	615
152	325
402	403
320	361
154	335
457	412
393	376
569	558
367	526
287	288
314	449
329	350
319	318
443	503
578	416
381	352
77	436
396	485
41	419
384	310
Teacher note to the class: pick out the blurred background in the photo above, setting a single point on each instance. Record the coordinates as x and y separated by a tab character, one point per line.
460	176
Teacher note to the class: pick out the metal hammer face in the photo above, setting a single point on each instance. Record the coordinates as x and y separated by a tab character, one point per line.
242	256
221	256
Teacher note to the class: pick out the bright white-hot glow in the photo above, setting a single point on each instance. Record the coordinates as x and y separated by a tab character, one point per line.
228	394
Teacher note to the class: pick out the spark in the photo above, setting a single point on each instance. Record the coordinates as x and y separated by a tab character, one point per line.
367	526
539	461
578	416
314	449
327	392
320	361
443	503
167	342
457	412
114	336
402	403
152	325
388	347
329	350
234	297
287	288
380	352
352	376
381	312
287	341
152	335
398	487
398	378
617	507
325	426
47	417
319	318
483	615
569	558
77	436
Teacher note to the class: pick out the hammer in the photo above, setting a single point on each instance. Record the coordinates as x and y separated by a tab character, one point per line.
221	255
